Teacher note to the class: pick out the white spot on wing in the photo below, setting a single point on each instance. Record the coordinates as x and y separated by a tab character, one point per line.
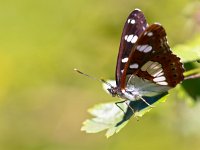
158	79
133	21
157	72
124	60
160	74
149	33
134	39
134	66
153	65
148	49
146	65
141	47
126	36
144	48
155	69
129	38
162	83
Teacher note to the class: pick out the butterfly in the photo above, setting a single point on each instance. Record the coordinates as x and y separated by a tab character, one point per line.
146	66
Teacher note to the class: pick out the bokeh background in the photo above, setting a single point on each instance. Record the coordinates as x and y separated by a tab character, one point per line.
43	102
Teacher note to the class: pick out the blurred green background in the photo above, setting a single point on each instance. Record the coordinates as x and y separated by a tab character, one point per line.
43	102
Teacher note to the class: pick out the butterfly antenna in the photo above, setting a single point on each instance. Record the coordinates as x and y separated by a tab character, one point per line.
91	77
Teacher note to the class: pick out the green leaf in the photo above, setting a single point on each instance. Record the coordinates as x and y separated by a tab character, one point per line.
181	94
192	72
109	116
147	109
189	51
106	116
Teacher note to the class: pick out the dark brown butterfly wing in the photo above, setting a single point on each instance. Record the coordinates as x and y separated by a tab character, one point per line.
151	58
134	26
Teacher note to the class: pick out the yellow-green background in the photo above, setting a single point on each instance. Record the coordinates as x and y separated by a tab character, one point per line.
43	102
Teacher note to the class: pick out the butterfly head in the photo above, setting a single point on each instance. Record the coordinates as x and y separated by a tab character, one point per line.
124	94
113	91
111	87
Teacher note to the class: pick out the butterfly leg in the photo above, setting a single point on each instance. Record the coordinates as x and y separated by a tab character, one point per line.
119	105
129	106
146	102
132	110
125	101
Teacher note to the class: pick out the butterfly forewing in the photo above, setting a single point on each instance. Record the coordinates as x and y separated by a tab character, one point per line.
152	59
133	28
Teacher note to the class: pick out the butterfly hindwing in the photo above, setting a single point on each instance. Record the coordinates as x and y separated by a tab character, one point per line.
152	59
133	28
